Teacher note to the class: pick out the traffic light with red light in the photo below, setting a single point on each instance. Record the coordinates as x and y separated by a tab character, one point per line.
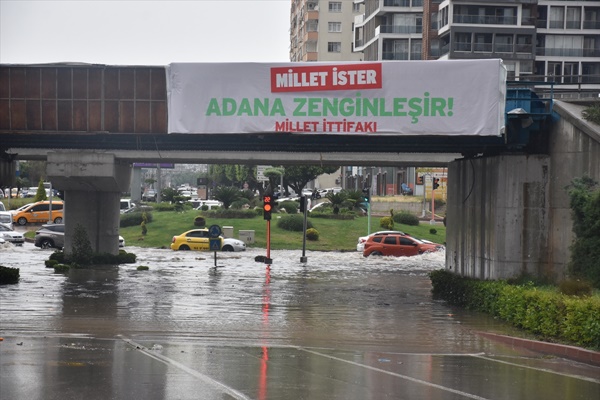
420	179
267	207
436	183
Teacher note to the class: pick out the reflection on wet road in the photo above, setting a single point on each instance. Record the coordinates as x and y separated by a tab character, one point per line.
339	327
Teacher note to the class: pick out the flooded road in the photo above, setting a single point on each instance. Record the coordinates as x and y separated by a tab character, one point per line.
338	327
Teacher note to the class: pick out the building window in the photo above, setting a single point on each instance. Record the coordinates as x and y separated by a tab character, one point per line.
355	7
334	26
335	6
334	47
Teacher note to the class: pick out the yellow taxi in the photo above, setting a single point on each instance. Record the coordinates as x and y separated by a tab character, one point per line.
196	239
39	212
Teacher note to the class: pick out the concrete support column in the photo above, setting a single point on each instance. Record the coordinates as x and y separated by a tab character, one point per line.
98	212
136	185
92	183
497	217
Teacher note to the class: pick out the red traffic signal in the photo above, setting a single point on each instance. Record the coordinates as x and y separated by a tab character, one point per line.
267	207
436	183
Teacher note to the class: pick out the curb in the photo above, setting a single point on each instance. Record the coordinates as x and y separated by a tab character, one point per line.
560	350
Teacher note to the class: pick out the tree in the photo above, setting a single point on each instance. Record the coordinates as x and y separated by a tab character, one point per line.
40	195
297	176
337	200
584	197
227	195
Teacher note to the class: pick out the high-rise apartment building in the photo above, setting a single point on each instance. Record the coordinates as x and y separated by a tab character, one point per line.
322	30
554	40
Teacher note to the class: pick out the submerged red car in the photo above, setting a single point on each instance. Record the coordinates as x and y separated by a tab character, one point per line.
397	245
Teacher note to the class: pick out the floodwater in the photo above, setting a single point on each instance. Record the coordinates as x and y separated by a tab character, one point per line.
340	326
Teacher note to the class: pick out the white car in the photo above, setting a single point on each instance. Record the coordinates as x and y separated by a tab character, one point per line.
230	244
208	203
6	217
360	246
10	235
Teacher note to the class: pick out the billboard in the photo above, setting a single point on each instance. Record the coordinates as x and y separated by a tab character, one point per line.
458	97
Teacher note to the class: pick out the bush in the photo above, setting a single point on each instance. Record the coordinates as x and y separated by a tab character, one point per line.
50	263
542	311
160	207
592	113
9	275
575	287
58	256
200	221
406	218
433	231
387	223
81	251
143	268
134	219
290	207
62	268
293	223
312	234
223	213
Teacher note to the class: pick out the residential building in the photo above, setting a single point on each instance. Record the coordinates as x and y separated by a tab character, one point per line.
322	30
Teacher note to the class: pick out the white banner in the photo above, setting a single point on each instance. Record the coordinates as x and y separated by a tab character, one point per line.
458	97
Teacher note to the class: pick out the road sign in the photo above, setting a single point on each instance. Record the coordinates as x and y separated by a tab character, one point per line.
214	231
214	244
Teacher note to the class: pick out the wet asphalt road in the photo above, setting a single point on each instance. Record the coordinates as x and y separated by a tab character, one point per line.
339	327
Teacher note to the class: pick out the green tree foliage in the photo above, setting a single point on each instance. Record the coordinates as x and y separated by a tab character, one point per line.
592	113
227	195
40	195
82	252
337	200
584	197
297	176
168	194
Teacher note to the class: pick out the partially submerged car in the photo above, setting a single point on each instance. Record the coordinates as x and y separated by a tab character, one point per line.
10	235
398	245
199	239
53	236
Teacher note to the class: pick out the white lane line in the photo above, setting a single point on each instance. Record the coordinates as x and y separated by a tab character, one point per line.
206	379
583	378
408	378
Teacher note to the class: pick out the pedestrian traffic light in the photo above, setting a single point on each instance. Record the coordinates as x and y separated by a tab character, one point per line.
267	207
366	195
436	183
420	180
302	203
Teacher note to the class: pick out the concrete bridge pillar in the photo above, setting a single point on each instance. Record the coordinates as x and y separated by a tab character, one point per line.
92	184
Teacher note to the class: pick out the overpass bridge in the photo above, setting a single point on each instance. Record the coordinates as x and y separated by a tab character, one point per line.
90	122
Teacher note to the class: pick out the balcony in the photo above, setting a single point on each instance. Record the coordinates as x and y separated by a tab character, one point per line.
565	52
503	48
391	55
591	24
483	20
401	29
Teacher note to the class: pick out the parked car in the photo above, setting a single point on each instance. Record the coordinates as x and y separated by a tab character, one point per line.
209	203
397	245
5	217
199	239
53	236
360	246
2	207
149	195
10	235
38	212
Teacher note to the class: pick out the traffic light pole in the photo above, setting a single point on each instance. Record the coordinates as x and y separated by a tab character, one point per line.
303	259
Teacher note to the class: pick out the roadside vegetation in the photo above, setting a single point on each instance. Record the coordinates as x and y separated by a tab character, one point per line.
567	311
334	234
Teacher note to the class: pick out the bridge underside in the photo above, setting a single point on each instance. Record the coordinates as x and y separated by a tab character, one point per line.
282	148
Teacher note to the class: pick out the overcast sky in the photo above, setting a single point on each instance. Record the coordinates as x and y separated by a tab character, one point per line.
140	32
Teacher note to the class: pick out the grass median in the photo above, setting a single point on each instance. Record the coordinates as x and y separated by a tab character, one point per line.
334	235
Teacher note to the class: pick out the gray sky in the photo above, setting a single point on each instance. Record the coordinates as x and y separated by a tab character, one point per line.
139	32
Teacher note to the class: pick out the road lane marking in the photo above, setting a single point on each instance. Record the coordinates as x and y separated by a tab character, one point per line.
415	380
205	378
583	378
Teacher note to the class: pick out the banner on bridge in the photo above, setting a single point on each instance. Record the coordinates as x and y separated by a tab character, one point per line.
458	97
